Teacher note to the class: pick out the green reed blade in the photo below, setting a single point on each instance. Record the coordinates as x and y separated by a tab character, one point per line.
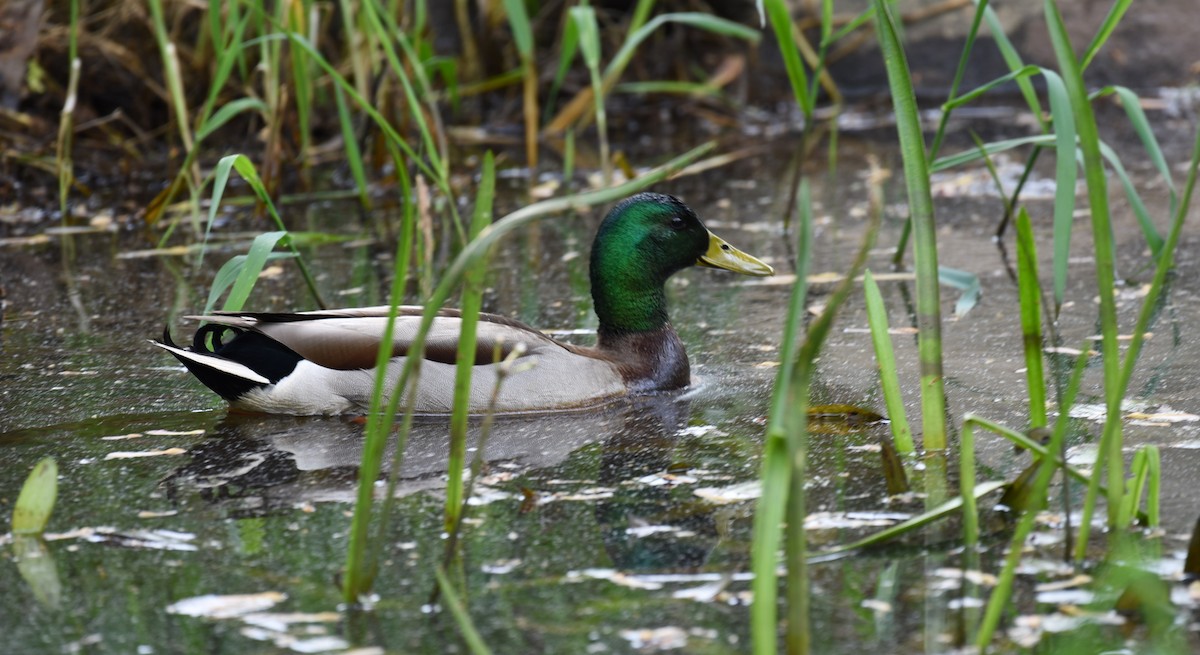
1089	143
361	565
781	23
1013	60
1149	231
1166	259
920	202
568	47
1049	461
959	71
302	74
979	91
226	113
1066	173
777	470
707	22
967	489
354	158
463	618
36	501
472	302
589	45
1141	125
256	260
1030	295
518	20
885	361
989	149
1106	29
245	168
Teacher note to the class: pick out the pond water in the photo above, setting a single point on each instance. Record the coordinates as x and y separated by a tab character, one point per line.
619	530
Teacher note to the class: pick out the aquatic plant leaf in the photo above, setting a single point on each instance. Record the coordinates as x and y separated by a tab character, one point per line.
967	283
893	469
36	502
35	563
1191	565
1019	494
841	412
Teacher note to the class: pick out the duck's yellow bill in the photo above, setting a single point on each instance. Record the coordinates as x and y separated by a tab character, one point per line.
722	255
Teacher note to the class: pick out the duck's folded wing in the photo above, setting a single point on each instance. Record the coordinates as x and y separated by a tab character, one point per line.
349	339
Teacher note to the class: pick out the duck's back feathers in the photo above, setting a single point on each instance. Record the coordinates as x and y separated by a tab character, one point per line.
329	357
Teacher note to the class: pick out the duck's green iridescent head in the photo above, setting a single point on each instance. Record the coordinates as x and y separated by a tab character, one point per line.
644	240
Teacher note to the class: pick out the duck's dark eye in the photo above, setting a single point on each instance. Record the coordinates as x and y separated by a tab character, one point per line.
677	223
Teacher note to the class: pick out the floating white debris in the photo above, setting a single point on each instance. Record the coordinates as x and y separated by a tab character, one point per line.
153	539
1082	455
591	493
830	520
1162	417
281	621
1066	597
1098	411
696	430
501	567
485	496
614	576
653	639
736	493
144	453
647	530
213	606
705	593
147	514
665	479
174	433
1058	585
877	606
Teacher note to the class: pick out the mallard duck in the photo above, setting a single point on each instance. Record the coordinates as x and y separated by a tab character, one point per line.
322	362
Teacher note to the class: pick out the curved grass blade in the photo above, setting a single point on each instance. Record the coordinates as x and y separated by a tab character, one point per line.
227	112
1066	173
1149	231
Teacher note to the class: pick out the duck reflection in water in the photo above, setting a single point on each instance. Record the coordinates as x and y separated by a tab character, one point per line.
263	465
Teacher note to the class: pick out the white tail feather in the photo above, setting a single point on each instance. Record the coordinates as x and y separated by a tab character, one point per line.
218	363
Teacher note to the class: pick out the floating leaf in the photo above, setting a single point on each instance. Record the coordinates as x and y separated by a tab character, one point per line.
36	502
